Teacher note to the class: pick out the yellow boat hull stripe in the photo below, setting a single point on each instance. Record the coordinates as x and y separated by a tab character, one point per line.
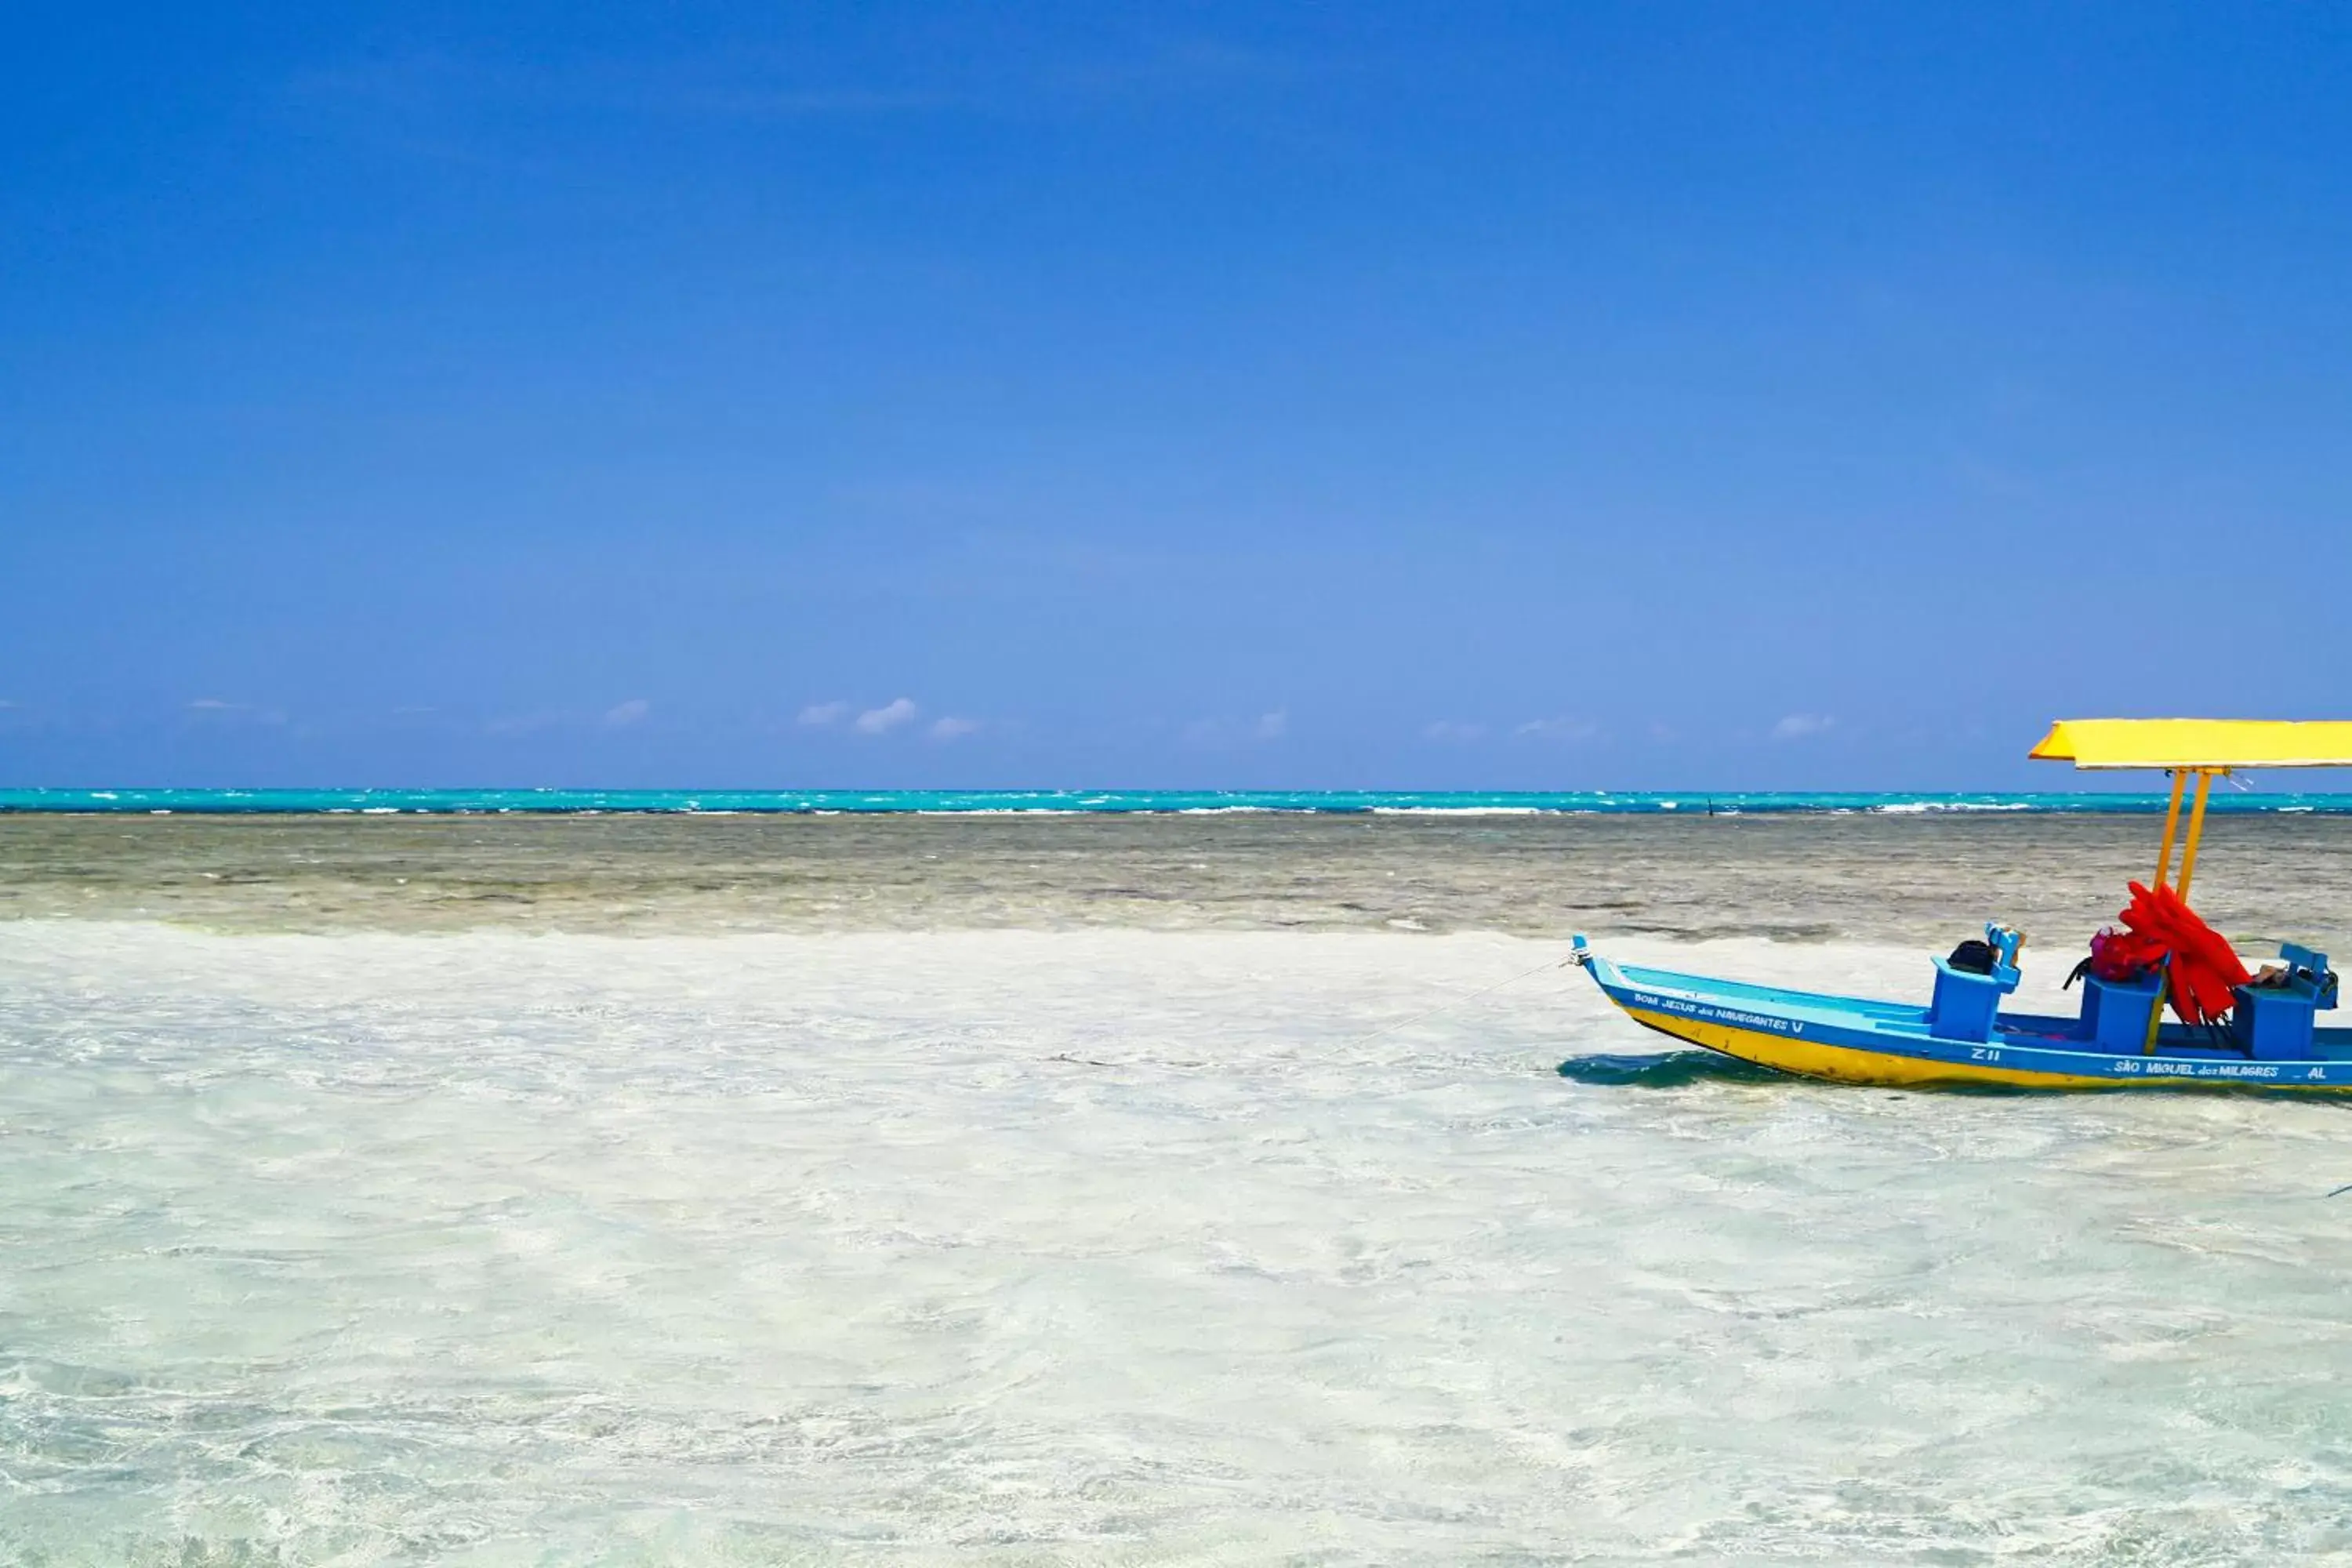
1851	1064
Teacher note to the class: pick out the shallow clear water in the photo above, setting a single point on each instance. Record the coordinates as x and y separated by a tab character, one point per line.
1908	881
511	1244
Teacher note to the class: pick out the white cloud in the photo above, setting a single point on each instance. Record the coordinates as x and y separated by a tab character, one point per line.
1567	729
1797	726
821	713
953	728
216	711
622	715
1270	726
889	716
1453	732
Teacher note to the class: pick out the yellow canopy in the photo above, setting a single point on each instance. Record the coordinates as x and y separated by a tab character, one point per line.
2198	744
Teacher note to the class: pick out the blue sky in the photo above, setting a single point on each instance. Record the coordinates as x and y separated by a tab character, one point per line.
1292	396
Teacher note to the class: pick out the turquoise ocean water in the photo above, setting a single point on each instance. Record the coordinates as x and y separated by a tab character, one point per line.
558	802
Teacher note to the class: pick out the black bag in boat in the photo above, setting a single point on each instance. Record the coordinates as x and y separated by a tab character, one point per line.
1973	957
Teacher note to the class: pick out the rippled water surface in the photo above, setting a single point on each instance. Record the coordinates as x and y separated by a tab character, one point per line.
1922	879
1137	1230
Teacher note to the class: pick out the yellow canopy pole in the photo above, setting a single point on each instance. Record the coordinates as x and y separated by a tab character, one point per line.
2196	831
2156	1008
2187	870
2171	828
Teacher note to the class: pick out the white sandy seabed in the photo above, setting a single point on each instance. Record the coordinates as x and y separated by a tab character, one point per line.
1107	1247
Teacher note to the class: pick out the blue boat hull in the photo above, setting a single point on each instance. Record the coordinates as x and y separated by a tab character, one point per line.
1848	1039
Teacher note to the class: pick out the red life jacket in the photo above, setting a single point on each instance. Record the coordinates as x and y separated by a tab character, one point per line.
2122	956
2203	965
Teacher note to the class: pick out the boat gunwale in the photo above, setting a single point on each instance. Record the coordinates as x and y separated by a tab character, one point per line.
2019	1052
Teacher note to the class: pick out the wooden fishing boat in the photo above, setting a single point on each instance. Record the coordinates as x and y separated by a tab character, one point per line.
2266	1039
